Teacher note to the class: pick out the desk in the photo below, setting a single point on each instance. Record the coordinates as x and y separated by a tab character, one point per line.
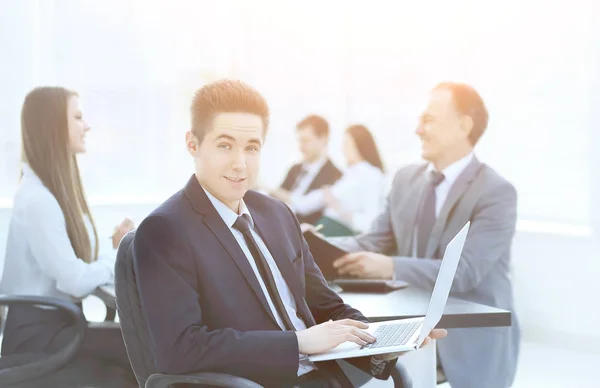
107	295
411	302
405	303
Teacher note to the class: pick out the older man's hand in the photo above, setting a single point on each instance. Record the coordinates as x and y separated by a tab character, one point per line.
365	265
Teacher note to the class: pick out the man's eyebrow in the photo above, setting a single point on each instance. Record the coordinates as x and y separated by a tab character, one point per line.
226	137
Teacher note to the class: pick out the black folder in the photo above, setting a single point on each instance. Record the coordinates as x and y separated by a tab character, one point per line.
324	253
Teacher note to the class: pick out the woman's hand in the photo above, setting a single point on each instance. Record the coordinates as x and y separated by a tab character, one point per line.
121	230
328	198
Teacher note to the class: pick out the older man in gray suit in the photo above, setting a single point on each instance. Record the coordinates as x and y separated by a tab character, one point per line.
427	206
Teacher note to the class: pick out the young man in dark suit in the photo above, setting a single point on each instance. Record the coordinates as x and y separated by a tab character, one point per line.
315	171
226	280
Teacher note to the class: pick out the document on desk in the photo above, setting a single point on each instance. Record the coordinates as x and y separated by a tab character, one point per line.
325	253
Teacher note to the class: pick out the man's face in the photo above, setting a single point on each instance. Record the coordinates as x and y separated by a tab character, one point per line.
228	158
442	127
311	146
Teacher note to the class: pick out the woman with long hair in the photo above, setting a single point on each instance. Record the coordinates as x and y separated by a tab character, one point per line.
52	247
353	202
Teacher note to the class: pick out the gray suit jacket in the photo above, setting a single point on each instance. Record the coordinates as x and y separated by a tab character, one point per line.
478	357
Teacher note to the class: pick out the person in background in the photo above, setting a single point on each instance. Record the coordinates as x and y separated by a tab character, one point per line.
351	204
428	204
52	248
315	171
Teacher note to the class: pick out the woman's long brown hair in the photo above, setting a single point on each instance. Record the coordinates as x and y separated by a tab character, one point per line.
46	148
365	144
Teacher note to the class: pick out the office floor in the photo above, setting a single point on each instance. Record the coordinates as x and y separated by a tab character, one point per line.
550	367
540	366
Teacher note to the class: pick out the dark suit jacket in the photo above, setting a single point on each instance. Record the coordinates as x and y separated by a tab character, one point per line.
202	302
328	175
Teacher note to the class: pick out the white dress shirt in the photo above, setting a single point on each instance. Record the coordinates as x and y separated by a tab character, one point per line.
360	192
451	173
229	217
40	259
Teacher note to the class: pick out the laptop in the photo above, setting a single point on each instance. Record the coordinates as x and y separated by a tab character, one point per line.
325	253
407	334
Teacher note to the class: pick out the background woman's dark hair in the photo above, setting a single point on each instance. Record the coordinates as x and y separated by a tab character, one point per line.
365	144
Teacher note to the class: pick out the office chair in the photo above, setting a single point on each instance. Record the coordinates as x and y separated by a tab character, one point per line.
136	336
64	368
30	366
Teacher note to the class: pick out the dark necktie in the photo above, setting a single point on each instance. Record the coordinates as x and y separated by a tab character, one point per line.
427	212
243	225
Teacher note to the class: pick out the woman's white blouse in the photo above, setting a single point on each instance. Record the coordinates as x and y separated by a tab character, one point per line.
360	191
40	259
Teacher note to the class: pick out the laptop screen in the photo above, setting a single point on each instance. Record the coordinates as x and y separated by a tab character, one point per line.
443	283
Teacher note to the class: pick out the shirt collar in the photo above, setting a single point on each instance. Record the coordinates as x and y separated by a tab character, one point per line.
315	166
360	165
453	171
228	215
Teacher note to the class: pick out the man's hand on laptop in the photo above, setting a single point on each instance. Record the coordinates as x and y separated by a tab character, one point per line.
434	335
366	265
328	335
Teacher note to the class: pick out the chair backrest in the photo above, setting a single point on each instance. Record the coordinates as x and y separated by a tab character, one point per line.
133	323
18	368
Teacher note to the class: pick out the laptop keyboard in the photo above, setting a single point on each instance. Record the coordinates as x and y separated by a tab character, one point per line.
394	334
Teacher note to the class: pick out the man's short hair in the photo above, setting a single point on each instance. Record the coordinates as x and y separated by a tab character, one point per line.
318	124
225	96
468	102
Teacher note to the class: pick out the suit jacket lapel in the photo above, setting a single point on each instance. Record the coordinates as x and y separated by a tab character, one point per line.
457	190
325	176
292	177
268	231
215	223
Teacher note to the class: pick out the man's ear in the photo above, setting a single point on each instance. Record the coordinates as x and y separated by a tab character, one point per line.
191	143
467	125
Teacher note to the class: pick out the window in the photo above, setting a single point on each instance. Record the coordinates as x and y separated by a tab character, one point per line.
534	76
136	64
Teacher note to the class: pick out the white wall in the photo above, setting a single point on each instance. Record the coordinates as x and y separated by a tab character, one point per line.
556	282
